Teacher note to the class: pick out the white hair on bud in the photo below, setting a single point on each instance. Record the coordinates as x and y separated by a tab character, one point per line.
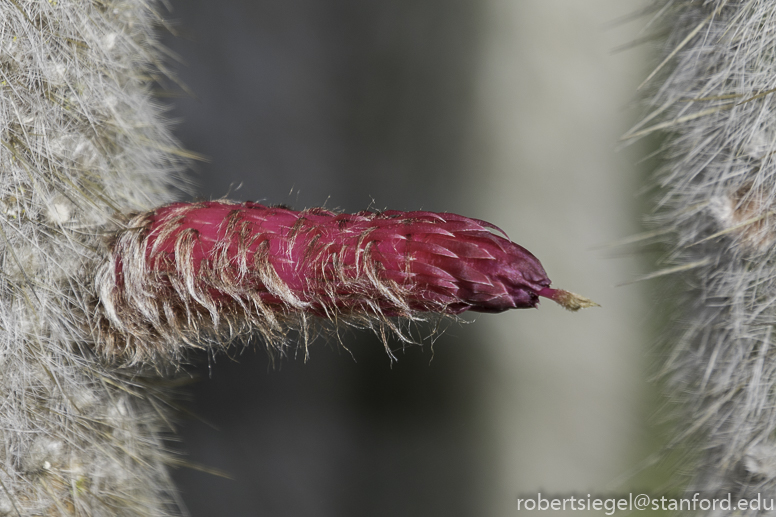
81	141
714	99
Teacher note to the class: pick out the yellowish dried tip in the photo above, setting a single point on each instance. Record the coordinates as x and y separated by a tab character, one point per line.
568	300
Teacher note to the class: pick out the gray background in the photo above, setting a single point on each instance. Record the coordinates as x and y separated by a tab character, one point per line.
503	110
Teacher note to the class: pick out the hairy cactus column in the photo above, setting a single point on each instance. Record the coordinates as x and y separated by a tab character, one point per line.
718	190
80	141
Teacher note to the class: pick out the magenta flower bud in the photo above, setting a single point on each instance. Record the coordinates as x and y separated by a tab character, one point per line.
233	267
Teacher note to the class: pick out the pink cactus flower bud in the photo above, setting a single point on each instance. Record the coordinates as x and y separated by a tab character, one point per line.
228	268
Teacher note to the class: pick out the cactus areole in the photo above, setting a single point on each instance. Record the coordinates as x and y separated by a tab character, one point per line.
193	261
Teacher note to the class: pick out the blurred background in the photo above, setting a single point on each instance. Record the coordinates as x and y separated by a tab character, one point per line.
504	110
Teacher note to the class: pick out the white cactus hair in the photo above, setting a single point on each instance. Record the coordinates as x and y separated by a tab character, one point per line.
713	96
81	141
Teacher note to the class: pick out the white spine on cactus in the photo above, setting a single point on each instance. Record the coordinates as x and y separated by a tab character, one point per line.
81	140
717	202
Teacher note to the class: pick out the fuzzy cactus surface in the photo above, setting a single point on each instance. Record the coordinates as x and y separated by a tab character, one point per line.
712	97
81	142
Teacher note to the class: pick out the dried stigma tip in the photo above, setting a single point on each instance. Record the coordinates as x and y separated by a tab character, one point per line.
228	269
568	300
